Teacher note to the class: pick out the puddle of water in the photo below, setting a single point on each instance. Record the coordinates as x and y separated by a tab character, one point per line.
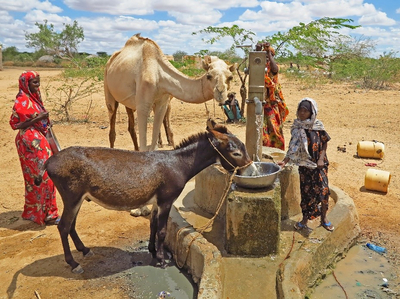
361	274
148	281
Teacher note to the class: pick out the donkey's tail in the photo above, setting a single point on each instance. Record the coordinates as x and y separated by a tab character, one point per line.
39	177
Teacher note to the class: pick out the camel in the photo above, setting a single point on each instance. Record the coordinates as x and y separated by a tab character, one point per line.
140	77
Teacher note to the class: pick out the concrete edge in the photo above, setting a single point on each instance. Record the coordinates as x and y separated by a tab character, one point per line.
299	273
199	257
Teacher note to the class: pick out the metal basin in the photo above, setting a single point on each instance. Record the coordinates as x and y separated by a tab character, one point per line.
268	172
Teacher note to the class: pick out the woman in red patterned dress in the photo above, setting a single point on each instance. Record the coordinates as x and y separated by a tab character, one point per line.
275	109
32	120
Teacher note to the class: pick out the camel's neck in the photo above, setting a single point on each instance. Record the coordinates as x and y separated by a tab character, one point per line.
190	90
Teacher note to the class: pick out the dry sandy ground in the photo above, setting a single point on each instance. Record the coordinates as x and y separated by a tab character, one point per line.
31	257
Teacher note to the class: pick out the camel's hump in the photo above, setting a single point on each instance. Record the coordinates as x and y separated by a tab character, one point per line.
138	39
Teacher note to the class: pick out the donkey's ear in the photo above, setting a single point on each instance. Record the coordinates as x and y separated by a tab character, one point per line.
210	124
219	137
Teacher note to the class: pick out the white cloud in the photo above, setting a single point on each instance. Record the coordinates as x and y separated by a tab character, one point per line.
273	11
378	18
116	24
39	16
117	7
28	5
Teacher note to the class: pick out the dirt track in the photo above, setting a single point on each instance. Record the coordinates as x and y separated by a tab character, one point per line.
31	256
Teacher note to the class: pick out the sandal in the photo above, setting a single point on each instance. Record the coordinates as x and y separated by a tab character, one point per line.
299	226
328	226
54	221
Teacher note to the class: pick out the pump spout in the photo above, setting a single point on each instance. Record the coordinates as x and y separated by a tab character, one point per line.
258	106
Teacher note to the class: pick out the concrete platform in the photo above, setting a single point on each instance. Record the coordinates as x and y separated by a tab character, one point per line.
303	259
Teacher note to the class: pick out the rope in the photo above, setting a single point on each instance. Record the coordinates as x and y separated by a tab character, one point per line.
288	255
333	272
233	167
209	223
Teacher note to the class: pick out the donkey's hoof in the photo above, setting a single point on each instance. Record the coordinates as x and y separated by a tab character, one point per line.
89	254
162	264
145	211
136	212
77	270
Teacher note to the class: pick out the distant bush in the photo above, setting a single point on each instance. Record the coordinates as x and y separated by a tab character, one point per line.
188	68
368	72
178	55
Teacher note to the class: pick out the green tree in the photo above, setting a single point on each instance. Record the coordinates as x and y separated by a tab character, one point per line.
314	39
63	44
71	37
239	35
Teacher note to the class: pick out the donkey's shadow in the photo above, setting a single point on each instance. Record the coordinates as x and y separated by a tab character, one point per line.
105	262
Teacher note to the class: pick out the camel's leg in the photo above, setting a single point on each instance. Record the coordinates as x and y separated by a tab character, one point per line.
159	113
131	127
160	143
144	106
167	125
112	114
112	106
167	128
66	227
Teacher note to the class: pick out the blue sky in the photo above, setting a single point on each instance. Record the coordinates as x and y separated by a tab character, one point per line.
170	23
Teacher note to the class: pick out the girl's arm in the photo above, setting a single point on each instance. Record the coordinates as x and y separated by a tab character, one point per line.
283	162
320	162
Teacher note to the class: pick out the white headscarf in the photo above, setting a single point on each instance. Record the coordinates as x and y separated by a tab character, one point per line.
298	146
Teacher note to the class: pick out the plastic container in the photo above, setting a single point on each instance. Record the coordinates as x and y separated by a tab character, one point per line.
277	157
377	180
370	149
376	248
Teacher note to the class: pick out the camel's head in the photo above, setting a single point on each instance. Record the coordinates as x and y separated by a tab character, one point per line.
219	77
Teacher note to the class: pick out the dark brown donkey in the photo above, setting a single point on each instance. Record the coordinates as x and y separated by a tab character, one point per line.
124	180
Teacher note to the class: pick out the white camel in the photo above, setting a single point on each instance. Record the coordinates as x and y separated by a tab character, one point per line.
141	78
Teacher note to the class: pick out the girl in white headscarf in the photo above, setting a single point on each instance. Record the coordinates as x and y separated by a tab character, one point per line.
307	149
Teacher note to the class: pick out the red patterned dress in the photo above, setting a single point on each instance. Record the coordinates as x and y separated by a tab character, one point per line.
275	112
33	151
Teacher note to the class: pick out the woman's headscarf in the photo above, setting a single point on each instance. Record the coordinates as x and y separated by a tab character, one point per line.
298	146
24	79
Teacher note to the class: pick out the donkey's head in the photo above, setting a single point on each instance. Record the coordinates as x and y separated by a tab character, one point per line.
231	150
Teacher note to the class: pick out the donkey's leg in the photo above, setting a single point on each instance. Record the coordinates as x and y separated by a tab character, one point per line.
162	232
153	230
131	127
66	225
77	241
